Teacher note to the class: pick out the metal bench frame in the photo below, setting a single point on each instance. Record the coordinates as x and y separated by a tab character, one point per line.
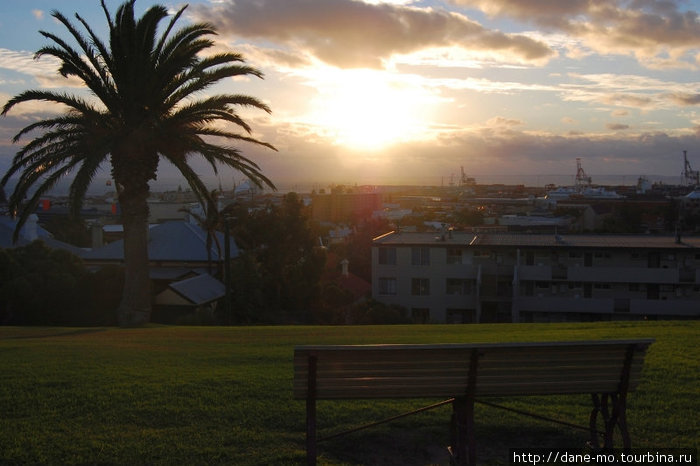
607	369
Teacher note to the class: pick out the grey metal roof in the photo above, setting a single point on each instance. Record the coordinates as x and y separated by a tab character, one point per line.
538	240
7	228
200	290
169	241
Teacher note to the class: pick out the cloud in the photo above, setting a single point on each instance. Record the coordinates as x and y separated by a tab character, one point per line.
658	33
634	91
685	99
44	69
503	122
349	33
617	126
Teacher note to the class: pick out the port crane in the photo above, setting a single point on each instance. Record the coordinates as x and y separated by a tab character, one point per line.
582	180
690	177
466	180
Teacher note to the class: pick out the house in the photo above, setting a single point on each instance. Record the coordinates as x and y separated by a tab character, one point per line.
461	277
337	272
29	232
177	250
182	297
171	245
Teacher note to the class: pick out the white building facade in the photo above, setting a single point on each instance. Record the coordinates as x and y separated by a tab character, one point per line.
458	277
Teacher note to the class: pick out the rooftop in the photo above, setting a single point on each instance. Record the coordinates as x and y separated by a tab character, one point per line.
169	241
537	240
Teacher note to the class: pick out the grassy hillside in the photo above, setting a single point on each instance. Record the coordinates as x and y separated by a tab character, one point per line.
222	395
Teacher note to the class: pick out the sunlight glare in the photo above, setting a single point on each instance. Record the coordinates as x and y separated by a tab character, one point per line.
368	110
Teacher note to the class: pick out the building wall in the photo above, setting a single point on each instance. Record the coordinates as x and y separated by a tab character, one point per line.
342	207
443	282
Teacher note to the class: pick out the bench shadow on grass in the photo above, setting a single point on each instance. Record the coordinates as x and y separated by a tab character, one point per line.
411	445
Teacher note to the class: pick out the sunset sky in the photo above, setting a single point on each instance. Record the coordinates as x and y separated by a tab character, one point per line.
395	92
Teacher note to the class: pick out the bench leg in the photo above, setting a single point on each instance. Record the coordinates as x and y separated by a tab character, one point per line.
611	419
463	446
593	422
311	413
311	432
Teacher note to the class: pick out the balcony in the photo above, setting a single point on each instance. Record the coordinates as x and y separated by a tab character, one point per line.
623	275
535	272
565	304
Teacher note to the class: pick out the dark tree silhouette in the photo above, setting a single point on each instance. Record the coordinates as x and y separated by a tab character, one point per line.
143	107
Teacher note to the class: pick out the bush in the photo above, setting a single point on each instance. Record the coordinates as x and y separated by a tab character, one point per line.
373	312
42	286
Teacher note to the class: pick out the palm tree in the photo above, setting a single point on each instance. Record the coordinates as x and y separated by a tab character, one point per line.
209	221
142	107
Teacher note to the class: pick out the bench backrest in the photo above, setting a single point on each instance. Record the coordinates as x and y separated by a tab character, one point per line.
422	371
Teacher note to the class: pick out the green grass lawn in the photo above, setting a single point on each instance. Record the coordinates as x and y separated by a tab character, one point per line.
223	395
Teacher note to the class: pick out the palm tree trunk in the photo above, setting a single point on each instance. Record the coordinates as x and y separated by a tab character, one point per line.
135	307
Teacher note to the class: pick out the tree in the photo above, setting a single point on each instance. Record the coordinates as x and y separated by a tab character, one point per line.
280	244
142	107
209	221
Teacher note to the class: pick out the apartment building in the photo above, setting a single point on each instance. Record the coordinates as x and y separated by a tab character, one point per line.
459	277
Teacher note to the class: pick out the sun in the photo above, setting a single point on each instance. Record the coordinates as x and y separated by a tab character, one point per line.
369	110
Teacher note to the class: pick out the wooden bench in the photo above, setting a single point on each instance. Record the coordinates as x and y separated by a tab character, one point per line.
607	369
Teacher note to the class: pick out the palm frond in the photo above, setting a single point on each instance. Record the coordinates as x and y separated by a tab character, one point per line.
71	101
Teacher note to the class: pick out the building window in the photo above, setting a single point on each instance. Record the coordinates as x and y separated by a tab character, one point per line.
504	289
420	286
420	315
458	286
420	256
387	256
634	286
454	256
387	286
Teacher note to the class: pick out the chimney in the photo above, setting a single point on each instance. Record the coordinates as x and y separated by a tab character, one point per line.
344	264
29	230
97	235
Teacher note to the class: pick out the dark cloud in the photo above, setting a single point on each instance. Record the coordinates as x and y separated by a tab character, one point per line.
490	154
617	126
348	33
685	99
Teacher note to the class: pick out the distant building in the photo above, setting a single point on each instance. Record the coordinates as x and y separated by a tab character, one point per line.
459	277
343	207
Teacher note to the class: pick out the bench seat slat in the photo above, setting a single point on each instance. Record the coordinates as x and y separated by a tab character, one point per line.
418	367
388	371
540	372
